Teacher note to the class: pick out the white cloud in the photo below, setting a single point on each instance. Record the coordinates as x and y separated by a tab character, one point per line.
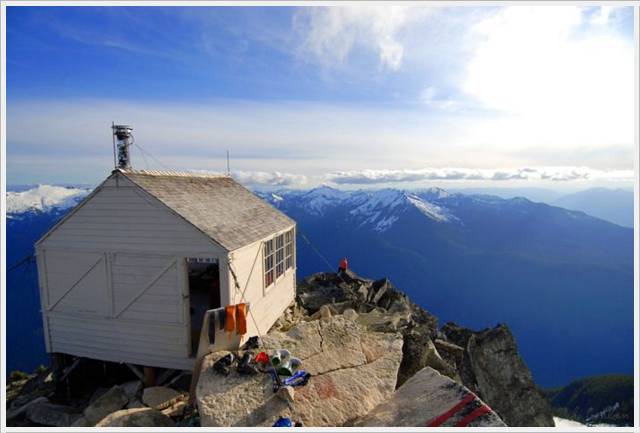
329	35
276	178
551	80
467	174
70	141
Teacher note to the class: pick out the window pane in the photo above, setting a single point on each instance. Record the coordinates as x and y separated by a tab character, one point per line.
268	280
279	269
279	241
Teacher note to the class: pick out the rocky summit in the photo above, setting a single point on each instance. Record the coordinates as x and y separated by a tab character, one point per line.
373	358
369	349
486	362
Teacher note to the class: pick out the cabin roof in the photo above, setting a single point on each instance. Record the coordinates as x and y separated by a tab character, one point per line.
216	204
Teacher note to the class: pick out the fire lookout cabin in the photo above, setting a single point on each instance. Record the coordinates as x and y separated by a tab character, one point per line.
127	275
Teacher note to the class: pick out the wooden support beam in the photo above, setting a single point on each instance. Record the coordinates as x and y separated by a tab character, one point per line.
136	371
149	376
165	376
57	366
67	371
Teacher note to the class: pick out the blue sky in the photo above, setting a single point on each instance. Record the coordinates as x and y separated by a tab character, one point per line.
361	95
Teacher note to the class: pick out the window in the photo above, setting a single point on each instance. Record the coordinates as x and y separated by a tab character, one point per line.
288	249
278	256
268	263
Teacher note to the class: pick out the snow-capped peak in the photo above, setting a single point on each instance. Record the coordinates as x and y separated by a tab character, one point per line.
43	198
433	193
382	208
318	199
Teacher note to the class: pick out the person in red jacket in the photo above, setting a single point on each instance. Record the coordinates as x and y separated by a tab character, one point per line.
344	264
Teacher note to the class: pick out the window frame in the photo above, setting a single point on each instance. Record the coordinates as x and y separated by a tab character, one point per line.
273	254
268	269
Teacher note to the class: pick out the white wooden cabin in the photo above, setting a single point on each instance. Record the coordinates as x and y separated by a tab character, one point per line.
127	275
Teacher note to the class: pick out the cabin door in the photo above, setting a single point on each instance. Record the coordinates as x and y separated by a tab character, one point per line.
204	293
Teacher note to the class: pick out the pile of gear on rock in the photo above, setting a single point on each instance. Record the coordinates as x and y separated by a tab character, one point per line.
278	363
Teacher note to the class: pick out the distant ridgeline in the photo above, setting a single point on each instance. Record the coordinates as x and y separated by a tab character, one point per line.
560	279
595	400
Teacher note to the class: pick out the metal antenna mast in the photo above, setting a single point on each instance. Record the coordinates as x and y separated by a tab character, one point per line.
123	139
113	139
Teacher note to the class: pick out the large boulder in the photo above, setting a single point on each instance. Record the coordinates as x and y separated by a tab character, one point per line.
53	415
160	397
425	397
112	400
353	370
132	389
138	417
505	380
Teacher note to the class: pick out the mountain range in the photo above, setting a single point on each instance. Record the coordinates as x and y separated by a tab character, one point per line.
615	205
562	280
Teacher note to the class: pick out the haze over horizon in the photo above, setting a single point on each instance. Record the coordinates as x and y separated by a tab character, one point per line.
361	96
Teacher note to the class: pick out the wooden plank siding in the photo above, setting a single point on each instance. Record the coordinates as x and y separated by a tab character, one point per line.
266	305
122	241
125	218
114	285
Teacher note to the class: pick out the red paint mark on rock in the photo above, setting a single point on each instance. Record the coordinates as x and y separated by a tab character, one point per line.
325	387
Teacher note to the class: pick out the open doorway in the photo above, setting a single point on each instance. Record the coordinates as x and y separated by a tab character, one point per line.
204	293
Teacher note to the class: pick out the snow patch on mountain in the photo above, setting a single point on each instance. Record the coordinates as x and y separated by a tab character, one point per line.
368	202
382	208
430	210
317	200
43	198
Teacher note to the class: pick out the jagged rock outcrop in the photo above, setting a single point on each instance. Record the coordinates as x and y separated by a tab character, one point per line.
348	290
493	367
52	415
486	362
423	398
353	370
382	308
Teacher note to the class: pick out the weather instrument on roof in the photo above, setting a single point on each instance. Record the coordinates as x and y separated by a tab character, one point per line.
122	139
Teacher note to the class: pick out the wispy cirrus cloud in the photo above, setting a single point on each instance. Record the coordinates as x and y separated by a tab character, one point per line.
330	35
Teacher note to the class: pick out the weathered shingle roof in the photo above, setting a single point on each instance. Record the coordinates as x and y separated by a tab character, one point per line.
217	205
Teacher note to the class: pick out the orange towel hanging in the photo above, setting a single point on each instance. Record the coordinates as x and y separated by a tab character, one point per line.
230	319
241	320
